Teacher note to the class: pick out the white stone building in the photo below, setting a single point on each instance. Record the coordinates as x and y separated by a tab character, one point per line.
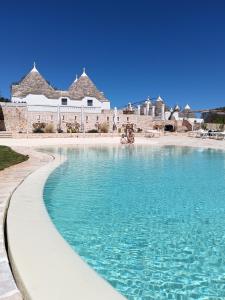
185	114
34	90
36	101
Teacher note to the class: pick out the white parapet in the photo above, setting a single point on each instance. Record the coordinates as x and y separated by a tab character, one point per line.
163	112
63	109
153	111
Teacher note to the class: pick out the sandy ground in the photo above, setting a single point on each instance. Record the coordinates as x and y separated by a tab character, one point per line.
179	140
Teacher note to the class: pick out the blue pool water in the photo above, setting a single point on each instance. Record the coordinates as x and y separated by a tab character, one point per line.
151	221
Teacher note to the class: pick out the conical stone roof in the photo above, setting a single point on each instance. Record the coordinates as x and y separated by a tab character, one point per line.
34	83
84	87
177	108
159	99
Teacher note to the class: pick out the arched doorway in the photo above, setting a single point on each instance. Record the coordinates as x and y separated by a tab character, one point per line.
2	121
169	128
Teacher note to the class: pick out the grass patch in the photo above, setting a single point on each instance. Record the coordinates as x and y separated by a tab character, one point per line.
8	157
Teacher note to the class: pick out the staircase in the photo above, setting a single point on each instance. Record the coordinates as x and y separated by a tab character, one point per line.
5	135
187	124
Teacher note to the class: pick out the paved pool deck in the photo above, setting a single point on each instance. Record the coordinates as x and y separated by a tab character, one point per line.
34	244
10	179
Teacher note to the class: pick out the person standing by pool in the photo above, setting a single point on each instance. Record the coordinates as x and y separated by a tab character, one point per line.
130	136
123	139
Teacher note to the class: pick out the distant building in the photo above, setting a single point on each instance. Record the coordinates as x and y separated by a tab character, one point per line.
155	109
82	108
33	89
185	114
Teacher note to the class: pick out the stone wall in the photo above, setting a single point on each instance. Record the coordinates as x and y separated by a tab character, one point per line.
90	120
17	118
214	126
2	125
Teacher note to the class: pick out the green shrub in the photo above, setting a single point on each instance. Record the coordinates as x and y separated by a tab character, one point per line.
104	127
92	131
38	127
73	127
38	130
49	128
204	126
221	126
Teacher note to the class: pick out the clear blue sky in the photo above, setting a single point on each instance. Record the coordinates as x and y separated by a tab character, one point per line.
131	49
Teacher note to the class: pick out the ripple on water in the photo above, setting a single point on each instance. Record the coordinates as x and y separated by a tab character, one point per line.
149	220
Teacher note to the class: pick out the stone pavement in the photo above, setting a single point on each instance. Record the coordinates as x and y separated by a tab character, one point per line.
10	178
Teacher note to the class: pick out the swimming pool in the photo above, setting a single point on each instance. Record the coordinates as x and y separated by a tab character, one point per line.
150	220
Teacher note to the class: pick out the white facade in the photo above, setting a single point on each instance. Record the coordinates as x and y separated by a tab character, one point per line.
62	101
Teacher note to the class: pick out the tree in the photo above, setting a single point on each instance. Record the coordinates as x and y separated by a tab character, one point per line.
3	99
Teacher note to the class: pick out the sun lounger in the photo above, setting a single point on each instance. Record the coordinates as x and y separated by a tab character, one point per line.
152	133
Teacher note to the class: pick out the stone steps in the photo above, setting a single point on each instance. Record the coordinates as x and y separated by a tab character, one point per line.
5	134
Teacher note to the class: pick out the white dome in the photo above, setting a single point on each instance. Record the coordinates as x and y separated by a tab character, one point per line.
187	107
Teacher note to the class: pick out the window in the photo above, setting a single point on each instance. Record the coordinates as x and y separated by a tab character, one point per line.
107	119
64	101
118	119
97	118
51	117
38	117
86	119
63	117
75	118
127	119
90	102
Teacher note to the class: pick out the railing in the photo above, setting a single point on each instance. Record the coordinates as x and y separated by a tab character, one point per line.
54	108
41	108
11	104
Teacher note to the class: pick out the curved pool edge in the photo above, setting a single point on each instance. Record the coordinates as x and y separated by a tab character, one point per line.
190	142
44	265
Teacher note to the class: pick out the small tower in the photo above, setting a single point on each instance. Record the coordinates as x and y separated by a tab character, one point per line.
187	107
84	73
34	68
76	79
159	99
187	112
158	106
177	108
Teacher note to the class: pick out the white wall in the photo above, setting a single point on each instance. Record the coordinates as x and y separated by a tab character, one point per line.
36	100
176	116
167	115
42	100
83	102
105	105
195	120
